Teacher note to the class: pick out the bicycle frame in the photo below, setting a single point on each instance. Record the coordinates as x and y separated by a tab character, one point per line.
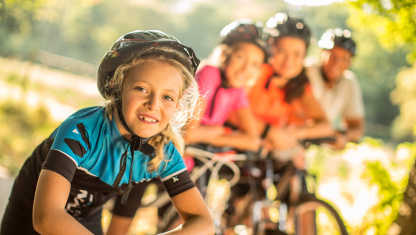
217	193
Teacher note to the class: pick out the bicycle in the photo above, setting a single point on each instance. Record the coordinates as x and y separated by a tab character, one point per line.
212	162
217	195
296	210
289	206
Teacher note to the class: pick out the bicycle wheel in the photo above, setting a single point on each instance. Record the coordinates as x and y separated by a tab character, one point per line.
327	219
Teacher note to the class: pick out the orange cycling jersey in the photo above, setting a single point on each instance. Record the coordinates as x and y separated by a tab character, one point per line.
268	104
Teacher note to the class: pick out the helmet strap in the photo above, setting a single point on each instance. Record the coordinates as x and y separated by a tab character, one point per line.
136	143
119	109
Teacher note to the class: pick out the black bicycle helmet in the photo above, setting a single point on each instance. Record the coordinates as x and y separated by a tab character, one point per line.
337	37
140	43
282	24
243	30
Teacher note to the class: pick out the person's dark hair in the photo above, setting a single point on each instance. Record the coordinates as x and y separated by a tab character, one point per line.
295	87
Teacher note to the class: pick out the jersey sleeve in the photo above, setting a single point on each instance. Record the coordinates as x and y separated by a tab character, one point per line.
174	174
71	144
208	79
355	106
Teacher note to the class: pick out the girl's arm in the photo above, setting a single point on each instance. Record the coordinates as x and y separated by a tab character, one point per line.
320	126
119	225
49	215
246	138
193	210
197	133
122	215
355	129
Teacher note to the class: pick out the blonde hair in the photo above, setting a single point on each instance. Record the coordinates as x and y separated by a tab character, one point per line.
184	113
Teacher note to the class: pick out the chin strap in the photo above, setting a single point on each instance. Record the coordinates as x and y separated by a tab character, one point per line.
136	143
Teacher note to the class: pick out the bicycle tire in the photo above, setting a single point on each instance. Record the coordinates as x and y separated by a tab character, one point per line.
313	204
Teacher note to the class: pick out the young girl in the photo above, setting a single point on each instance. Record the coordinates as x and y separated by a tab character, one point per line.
242	52
99	152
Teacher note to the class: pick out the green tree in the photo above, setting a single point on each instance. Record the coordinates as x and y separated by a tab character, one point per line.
394	22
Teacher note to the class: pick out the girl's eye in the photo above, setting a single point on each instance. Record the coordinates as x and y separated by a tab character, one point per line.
279	51
238	55
140	89
168	98
256	65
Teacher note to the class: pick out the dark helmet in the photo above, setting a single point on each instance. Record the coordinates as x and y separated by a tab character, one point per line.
337	37
283	25
243	30
140	43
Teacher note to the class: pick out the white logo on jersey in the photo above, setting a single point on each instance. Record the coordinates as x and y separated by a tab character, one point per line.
75	131
175	179
81	200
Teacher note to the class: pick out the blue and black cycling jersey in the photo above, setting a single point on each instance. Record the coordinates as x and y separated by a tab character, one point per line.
86	149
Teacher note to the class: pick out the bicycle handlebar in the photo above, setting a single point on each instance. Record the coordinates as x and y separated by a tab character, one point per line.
317	141
214	158
215	161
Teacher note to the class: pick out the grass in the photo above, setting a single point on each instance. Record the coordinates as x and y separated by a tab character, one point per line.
31	96
23	128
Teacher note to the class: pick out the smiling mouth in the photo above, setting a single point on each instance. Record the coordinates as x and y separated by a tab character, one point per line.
147	119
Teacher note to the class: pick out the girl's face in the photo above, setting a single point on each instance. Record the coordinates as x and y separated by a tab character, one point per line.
150	95
243	64
288	55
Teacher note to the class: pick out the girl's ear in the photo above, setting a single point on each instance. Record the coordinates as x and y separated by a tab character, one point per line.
224	57
225	53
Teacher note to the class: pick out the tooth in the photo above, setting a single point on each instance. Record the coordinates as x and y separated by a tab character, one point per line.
147	119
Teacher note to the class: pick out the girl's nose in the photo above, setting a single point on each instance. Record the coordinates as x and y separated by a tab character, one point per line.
152	103
244	66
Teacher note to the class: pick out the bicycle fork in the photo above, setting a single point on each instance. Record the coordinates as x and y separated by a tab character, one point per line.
270	213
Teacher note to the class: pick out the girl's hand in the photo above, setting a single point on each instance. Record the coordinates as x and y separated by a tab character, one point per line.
280	138
340	141
213	132
202	134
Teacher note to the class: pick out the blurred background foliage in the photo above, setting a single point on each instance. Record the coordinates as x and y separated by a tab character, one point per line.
74	35
50	51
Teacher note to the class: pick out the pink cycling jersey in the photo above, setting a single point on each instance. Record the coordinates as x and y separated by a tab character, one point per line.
224	99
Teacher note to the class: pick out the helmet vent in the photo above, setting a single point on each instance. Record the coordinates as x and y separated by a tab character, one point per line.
299	25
